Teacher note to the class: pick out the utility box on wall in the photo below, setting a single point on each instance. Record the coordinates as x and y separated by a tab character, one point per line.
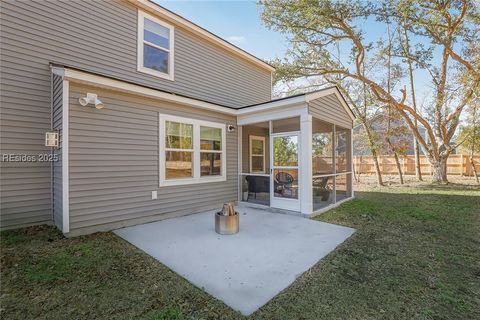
51	139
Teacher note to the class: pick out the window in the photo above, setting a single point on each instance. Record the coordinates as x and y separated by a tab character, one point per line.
191	151
178	150
210	151
155	46
257	154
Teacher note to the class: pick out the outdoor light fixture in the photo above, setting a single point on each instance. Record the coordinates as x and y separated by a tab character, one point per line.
91	98
231	128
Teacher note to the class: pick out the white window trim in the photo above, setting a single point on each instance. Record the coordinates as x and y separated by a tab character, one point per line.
250	139
140	41
197	178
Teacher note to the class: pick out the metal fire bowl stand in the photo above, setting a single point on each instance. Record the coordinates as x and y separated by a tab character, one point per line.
226	224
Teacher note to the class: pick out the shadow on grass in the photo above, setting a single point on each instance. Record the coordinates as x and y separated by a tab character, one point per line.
400	205
449	186
414	255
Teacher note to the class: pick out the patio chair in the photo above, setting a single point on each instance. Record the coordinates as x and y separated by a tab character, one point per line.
257	184
283	182
321	188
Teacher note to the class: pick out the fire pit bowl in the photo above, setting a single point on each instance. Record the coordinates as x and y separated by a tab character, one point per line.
226	224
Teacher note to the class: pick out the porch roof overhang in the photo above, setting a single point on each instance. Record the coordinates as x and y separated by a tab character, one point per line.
269	110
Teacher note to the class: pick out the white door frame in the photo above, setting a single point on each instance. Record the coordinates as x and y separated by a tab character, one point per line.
285	203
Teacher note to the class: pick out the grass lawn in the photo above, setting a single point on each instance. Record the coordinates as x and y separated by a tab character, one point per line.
416	254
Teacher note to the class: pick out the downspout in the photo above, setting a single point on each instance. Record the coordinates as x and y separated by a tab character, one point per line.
52	151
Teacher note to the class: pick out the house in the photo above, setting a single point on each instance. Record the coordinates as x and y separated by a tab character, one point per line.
155	117
402	137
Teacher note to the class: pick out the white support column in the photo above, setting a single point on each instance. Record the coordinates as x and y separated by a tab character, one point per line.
334	163
305	162
65	157
352	168
240	162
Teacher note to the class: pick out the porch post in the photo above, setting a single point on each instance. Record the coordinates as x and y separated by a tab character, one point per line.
305	162
352	167
239	163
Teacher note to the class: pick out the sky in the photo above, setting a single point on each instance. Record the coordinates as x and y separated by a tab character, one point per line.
235	21
239	23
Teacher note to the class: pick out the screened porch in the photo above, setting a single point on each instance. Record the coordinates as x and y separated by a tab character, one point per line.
295	160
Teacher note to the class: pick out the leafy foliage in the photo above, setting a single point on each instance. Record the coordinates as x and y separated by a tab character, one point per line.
328	41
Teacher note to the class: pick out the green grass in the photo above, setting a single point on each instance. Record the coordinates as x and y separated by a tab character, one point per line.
415	255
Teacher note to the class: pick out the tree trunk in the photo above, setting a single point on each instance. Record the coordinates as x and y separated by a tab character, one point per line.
377	167
472	164
374	154
356	173
399	167
439	170
418	168
416	149
397	160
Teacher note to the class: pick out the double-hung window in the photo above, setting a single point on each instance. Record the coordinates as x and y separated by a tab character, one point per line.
155	46
210	151
178	150
257	154
191	151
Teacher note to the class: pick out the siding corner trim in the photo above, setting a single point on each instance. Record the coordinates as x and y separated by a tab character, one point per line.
65	163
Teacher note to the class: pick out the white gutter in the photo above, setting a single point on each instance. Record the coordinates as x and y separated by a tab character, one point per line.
272	105
118	85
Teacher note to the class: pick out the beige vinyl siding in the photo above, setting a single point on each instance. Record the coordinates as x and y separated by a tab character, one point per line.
101	37
24	117
114	163
57	103
329	109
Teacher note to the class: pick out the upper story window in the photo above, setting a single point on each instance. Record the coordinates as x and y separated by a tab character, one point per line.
155	46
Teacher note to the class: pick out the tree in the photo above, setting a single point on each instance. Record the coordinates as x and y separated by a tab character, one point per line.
285	150
469	134
395	133
393	75
406	52
316	27
365	111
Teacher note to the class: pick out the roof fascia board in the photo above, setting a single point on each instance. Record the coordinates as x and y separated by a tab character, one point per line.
263	109
273	105
171	17
290	111
108	83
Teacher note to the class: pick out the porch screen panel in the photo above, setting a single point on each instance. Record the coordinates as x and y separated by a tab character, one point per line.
322	147
323	192
342	149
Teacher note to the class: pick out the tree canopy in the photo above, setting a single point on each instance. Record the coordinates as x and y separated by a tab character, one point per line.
330	39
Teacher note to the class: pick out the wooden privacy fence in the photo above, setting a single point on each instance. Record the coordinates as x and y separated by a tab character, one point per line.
457	164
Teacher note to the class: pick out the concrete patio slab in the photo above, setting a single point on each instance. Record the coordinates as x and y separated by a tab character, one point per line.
244	270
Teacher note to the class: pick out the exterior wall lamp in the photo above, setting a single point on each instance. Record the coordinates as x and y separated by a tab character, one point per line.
91	98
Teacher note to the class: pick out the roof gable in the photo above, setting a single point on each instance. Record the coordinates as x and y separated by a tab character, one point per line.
176	19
